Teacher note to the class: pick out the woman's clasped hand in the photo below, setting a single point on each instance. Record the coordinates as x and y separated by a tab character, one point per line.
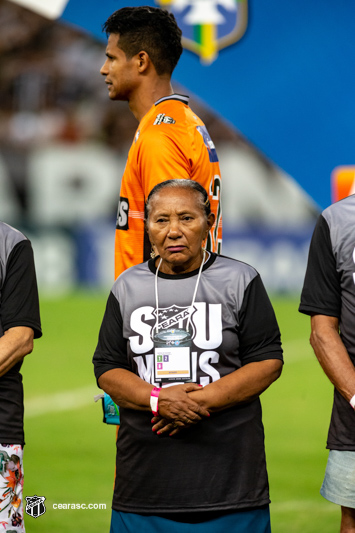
177	410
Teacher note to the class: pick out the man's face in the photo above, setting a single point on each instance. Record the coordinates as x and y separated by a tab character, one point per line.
120	73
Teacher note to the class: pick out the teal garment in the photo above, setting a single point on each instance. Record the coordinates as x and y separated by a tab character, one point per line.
255	521
111	411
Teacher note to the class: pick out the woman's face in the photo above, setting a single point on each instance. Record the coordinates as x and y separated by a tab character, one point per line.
177	227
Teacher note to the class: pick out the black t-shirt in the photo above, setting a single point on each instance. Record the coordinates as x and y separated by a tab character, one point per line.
219	464
18	307
329	289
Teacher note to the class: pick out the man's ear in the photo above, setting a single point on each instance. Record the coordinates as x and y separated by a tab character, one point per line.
143	61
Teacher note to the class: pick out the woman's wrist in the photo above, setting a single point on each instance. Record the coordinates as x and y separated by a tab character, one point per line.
200	397
154	400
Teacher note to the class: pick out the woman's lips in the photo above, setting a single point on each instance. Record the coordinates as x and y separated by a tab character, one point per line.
175	248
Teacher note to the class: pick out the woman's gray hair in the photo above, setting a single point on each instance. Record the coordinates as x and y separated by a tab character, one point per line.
180	184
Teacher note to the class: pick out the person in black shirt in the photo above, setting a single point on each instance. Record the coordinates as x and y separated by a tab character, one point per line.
328	296
204	324
19	325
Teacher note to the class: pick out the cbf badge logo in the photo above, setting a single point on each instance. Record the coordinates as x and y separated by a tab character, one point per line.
35	506
208	25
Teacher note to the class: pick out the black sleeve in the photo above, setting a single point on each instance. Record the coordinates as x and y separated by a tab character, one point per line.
321	288
259	333
19	293
111	350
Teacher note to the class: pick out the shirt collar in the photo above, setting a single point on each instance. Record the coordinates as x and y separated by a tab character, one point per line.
180	97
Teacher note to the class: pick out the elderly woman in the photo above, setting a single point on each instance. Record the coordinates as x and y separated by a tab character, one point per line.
191	337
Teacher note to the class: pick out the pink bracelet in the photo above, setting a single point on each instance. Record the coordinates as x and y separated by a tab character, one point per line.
154	394
352	402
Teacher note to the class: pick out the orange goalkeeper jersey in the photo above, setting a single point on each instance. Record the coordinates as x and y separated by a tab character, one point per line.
171	142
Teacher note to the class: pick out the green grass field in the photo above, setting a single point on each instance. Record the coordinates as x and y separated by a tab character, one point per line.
70	453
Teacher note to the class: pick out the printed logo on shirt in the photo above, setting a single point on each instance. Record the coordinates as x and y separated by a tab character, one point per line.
122	214
163	119
175	316
137	136
205	326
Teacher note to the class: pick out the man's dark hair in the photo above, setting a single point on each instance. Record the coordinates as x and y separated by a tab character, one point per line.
151	29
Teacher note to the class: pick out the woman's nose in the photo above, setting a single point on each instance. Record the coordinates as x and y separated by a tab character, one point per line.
174	229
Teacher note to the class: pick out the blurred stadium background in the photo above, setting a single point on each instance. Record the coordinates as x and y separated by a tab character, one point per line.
63	147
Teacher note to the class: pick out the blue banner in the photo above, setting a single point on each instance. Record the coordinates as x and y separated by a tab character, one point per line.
280	72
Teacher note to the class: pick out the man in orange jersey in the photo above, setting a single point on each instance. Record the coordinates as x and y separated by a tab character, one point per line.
144	46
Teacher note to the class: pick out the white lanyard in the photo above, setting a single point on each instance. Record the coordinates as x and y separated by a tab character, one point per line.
193	298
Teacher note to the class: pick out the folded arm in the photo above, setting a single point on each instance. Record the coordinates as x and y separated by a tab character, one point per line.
14	345
130	391
332	354
242	385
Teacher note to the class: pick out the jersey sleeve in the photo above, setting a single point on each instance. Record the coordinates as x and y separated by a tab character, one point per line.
111	350
321	289
259	333
19	293
161	158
